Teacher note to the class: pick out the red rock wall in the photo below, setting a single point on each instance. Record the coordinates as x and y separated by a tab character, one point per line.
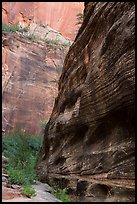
89	143
61	16
29	82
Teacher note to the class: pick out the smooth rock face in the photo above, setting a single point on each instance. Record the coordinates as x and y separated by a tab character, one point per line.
61	16
30	72
89	140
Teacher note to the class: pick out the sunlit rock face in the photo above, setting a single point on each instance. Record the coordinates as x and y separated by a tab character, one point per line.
89	140
61	16
30	73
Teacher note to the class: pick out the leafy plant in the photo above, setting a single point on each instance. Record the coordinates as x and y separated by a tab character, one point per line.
55	41
52	42
62	194
28	191
13	28
10	28
48	41
43	123
21	149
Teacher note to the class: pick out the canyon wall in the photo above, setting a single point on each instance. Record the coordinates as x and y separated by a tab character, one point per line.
30	73
89	144
61	16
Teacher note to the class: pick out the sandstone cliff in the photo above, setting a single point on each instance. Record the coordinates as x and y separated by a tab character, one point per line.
30	73
89	140
61	16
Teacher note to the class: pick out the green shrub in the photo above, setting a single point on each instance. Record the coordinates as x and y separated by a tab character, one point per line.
48	41
55	42
62	195
32	37
52	42
21	149
67	44
43	123
28	191
17	176
10	28
13	28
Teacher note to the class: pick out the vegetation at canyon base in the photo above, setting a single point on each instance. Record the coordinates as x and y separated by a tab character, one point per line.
28	191
21	149
62	194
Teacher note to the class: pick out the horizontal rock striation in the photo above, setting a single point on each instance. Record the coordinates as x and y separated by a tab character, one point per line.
89	140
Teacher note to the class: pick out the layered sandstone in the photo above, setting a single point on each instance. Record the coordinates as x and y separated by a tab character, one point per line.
89	141
61	16
30	73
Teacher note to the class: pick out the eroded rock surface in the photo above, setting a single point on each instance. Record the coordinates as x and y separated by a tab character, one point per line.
89	140
30	73
61	16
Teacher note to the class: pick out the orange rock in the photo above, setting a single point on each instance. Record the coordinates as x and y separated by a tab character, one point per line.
4	16
61	16
22	20
8	193
30	74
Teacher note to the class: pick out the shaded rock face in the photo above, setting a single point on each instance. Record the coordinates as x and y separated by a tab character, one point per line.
55	14
89	140
30	73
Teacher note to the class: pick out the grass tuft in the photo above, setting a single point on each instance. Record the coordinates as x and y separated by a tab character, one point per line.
62	194
28	191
